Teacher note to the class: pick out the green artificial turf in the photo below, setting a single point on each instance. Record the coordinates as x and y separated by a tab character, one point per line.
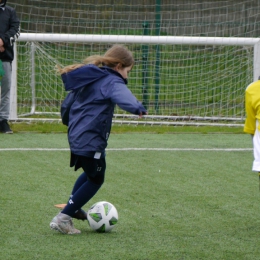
173	203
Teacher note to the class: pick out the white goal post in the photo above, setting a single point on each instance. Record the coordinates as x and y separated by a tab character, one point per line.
177	111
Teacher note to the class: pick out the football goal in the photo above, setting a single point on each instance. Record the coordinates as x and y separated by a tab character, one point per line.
193	59
181	80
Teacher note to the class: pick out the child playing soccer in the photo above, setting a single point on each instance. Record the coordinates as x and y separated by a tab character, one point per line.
252	123
102	82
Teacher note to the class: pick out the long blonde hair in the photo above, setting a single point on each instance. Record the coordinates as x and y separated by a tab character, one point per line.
117	54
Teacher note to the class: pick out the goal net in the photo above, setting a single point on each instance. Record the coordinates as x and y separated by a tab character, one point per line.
193	60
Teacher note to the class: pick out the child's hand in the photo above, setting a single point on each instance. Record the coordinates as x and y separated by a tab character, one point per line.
142	113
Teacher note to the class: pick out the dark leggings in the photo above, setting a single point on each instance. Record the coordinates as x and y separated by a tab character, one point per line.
87	184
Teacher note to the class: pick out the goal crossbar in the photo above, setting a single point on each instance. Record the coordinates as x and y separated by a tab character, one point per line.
48	37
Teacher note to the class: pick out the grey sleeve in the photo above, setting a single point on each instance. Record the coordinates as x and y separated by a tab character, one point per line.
124	98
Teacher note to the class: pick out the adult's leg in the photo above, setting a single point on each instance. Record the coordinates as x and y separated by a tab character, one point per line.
5	91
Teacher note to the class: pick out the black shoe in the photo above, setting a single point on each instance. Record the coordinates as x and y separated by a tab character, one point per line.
4	127
80	214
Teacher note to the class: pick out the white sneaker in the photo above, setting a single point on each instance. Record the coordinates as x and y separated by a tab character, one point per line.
63	223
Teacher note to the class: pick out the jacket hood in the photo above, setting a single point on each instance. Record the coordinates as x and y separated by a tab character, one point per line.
86	75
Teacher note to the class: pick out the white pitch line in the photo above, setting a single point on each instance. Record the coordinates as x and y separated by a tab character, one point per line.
134	149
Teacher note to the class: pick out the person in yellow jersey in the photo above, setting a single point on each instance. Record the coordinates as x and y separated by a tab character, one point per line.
252	122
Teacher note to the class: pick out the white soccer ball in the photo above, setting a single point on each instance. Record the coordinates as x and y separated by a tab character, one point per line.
102	216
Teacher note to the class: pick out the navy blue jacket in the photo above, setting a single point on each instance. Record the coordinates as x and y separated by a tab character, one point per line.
9	31
90	117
